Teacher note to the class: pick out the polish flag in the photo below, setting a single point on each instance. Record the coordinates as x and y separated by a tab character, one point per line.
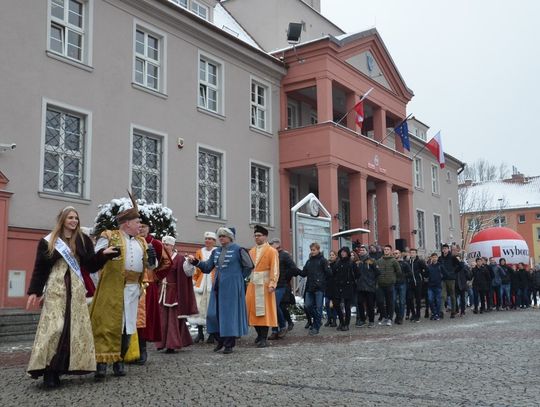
435	146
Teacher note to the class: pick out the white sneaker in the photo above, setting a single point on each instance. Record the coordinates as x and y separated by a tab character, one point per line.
388	322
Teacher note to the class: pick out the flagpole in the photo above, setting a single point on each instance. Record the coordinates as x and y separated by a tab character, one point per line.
393	129
361	100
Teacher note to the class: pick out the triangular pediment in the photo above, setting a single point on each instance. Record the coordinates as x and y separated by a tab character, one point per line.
366	52
366	63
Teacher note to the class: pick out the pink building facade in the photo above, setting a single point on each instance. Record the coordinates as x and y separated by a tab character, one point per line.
354	173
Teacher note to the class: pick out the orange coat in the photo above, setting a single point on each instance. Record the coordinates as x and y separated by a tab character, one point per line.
261	304
198	274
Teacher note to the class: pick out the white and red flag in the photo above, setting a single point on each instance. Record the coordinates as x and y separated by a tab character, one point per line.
435	146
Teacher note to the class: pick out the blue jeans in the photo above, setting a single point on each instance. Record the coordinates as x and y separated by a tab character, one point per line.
400	297
434	298
280	318
314	303
505	290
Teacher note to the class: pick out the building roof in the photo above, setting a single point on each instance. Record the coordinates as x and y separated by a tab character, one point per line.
224	20
503	194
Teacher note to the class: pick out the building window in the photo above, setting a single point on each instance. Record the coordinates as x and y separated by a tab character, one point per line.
149	59
435	179
418	179
345	215
260	194
64	152
181	3
450	214
292	115
146	171
199	9
538	216
437	229
537	233
521	218
421	229
209	84
68	28
259	106
499	220
210	183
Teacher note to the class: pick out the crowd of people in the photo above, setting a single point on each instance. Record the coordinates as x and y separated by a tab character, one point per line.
147	292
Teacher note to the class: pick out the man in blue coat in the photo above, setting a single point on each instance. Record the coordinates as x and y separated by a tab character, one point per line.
226	317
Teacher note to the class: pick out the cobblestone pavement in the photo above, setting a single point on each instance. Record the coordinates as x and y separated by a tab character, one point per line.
479	360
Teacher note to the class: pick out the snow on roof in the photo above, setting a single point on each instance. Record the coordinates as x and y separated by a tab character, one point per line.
501	194
224	20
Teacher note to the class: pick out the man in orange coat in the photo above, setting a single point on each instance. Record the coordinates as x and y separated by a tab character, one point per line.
260	297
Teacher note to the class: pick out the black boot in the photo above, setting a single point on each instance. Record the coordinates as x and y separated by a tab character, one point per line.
118	369
211	339
142	351
200	335
50	380
101	370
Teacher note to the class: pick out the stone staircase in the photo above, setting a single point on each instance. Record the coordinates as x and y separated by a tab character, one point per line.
17	325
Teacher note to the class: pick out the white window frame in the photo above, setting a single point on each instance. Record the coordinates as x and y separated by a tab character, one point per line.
473	224
223	185
439	241
86	32
418	175
195	7
292	115
161	62
450	213
313	119
267	108
524	218
421	230
435	186
85	157
270	198
500	221
219	88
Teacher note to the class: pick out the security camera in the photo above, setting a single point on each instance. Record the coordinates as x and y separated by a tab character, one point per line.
7	147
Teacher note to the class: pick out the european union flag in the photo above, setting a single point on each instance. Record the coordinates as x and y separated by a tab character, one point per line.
402	130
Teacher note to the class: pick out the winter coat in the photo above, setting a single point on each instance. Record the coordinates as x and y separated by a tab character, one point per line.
449	263
506	274
287	269
463	274
496	272
536	279
418	272
367	274
317	270
435	273
344	284
389	269
405	272
481	278
515	279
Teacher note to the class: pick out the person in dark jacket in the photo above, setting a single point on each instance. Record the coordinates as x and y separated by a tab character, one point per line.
449	263
506	296
495	272
317	271
389	269
366	285
415	284
287	270
344	287
515	287
481	283
535	290
331	314
463	275
525	283
435	275
400	288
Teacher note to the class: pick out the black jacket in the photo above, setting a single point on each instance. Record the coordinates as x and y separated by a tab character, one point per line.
536	278
317	270
287	269
418	271
402	277
463	274
481	278
367	274
507	274
449	263
343	276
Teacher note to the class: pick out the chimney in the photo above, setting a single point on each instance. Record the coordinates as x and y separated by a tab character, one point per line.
518	178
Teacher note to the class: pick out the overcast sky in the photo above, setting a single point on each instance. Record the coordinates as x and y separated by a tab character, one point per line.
473	65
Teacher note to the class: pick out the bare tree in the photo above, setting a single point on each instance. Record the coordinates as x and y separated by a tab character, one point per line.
483	170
